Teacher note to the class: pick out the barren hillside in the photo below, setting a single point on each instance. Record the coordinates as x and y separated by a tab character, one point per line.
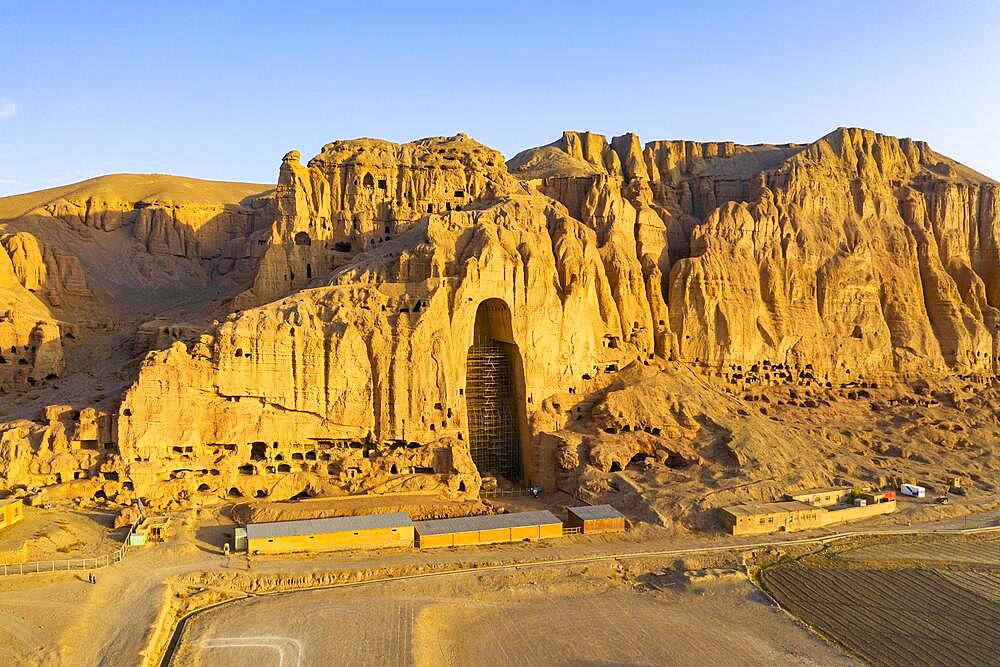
675	325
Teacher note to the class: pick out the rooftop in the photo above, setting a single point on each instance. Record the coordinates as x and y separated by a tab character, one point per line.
592	512
817	490
770	508
469	524
9	501
335	524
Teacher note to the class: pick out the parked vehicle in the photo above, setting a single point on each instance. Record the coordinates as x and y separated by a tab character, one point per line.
912	490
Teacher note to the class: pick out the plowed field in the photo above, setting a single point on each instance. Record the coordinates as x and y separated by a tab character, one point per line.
913	616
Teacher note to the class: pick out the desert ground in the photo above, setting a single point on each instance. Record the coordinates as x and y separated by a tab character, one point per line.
128	615
58	534
592	614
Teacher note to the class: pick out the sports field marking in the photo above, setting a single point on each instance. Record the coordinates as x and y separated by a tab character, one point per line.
289	650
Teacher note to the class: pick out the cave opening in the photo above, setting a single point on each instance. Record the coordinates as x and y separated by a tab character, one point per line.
495	394
258	451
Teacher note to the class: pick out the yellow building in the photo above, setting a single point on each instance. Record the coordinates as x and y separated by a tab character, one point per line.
790	515
761	518
11	511
488	529
373	531
595	519
823	496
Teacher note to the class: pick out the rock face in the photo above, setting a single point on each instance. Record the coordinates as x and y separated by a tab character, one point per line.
348	364
30	339
357	195
138	241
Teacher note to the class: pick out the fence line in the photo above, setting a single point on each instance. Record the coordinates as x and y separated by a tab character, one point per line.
71	564
506	493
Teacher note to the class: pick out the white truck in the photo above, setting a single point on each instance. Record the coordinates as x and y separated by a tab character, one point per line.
912	490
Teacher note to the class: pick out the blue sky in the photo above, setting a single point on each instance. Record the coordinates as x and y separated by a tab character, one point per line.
223	89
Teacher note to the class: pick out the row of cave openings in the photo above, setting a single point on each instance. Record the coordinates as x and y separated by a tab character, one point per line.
368	183
23	361
302	238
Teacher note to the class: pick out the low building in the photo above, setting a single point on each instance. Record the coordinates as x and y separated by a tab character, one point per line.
762	518
11	511
875	497
372	531
593	519
823	496
791	515
488	529
151	529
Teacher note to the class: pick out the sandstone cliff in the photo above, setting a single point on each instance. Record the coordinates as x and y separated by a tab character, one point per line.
851	264
30	339
860	255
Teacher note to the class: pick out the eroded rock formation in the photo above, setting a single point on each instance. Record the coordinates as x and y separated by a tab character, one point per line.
30	339
859	255
857	260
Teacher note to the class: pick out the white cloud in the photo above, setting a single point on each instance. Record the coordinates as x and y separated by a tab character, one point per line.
7	108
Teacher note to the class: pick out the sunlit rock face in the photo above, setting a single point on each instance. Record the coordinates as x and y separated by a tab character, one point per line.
857	255
343	364
376	350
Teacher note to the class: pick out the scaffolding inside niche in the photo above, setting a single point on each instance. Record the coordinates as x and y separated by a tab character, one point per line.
494	430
